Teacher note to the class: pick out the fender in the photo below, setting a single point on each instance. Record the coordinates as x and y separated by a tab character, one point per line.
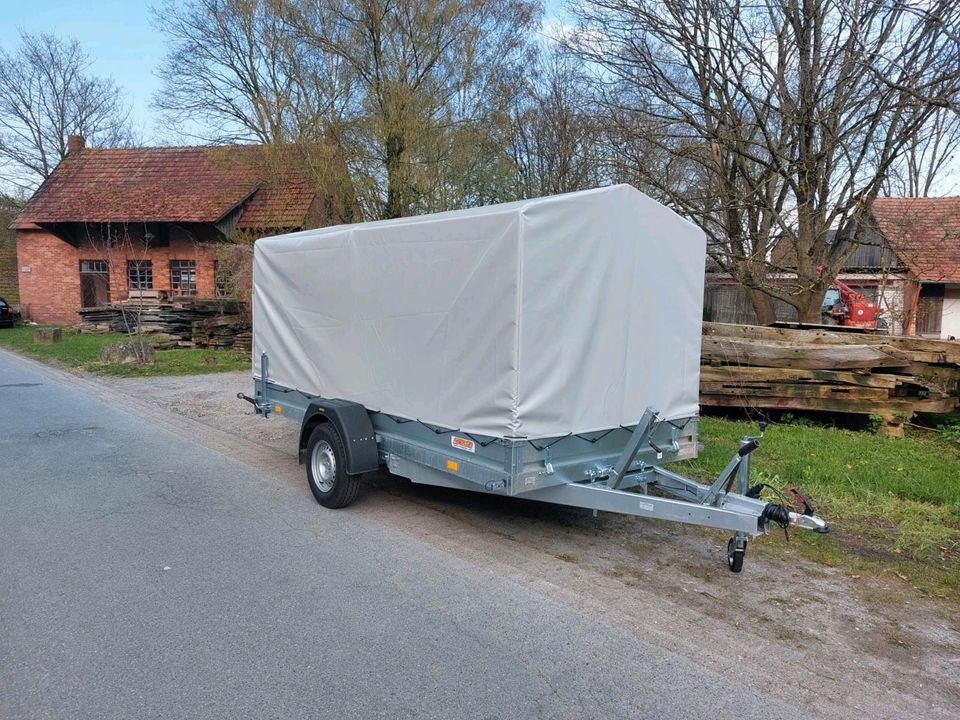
356	431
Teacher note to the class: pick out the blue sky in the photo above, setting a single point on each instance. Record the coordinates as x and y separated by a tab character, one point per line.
117	34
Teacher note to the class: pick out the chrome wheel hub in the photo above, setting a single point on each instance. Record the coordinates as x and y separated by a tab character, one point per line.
324	465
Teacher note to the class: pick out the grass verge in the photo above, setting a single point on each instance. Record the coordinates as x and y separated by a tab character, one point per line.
82	352
893	504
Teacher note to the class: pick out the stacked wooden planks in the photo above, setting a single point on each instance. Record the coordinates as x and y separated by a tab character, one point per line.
832	371
182	322
225	331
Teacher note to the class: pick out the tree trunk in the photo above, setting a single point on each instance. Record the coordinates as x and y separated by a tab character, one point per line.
396	182
762	306
808	309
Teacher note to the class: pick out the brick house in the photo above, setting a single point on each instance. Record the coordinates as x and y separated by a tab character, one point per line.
118	223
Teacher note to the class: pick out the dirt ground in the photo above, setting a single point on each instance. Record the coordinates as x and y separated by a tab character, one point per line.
825	643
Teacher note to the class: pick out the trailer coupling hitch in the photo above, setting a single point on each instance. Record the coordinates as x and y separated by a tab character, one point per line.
785	517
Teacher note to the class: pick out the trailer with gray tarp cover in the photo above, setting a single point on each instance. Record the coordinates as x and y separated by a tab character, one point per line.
547	349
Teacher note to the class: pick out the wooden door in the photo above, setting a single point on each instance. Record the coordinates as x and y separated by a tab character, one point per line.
930	310
94	283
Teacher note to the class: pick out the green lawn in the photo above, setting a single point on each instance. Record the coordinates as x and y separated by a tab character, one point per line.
82	351
893	504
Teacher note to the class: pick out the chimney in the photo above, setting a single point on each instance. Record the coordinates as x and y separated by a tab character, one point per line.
75	143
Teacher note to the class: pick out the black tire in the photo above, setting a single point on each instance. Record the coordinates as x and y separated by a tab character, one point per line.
734	556
326	469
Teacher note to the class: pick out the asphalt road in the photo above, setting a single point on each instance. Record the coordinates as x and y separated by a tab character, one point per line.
145	576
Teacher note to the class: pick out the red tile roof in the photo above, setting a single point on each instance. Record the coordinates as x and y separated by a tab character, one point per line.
278	207
925	234
171	184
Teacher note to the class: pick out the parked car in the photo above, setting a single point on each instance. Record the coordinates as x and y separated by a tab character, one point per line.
8	314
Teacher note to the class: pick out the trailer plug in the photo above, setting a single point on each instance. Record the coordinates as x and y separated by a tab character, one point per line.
778	515
755	490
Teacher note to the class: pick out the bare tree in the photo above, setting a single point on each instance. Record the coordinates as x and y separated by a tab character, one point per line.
123	245
434	79
928	162
781	119
46	94
234	71
556	136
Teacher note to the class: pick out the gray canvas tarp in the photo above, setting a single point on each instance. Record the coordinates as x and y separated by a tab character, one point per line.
534	319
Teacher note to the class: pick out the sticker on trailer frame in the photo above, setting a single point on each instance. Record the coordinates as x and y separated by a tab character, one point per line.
463	444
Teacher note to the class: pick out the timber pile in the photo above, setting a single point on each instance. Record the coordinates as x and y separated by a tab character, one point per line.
226	331
183	322
832	371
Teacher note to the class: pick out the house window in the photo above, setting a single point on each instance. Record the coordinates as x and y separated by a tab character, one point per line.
93	266
140	274
183	277
221	279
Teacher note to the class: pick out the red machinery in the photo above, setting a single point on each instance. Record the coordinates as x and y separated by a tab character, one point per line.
850	309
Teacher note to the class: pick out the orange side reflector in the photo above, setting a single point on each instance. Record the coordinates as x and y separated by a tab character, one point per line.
451	465
277	409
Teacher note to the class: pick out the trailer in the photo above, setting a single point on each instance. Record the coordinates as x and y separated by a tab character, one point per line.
546	349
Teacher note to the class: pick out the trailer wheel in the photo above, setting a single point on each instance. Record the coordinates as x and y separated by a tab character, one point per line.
735	556
326	469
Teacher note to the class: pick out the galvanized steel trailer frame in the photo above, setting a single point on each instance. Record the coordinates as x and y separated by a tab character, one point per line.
617	470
